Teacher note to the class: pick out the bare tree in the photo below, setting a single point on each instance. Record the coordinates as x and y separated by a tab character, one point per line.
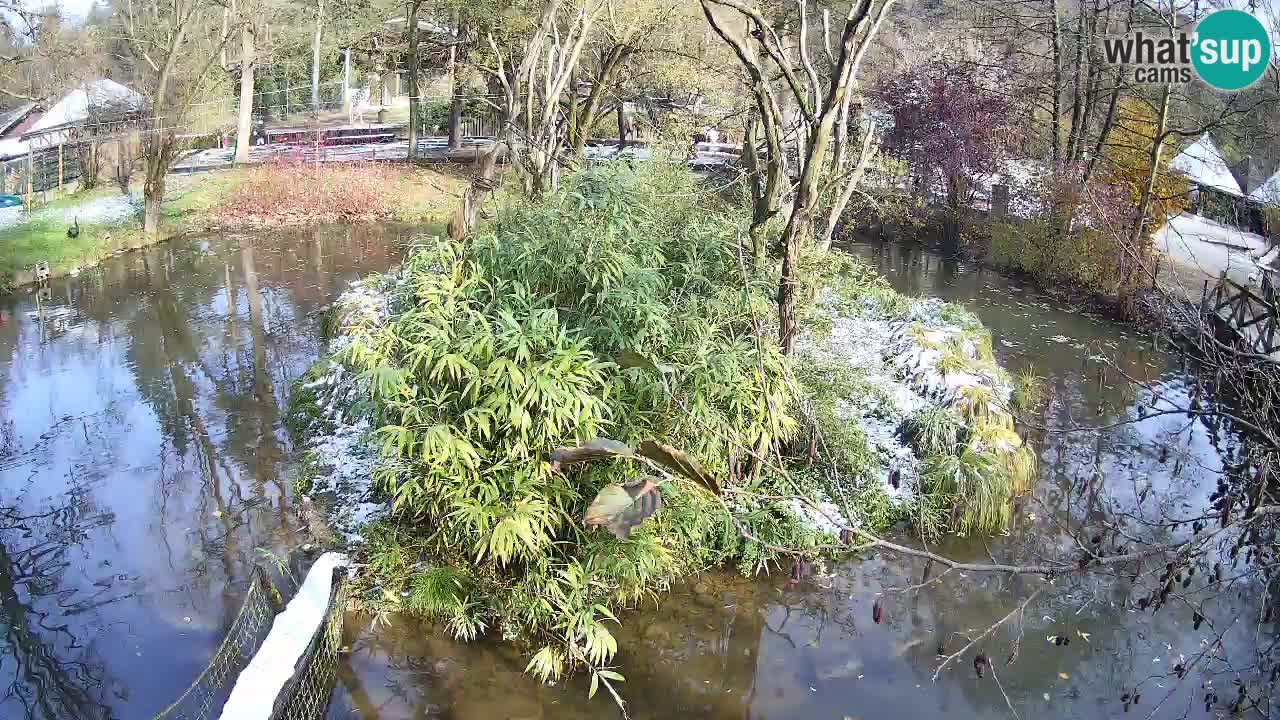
174	45
823	102
533	76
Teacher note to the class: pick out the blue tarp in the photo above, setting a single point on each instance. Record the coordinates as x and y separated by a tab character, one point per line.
7	201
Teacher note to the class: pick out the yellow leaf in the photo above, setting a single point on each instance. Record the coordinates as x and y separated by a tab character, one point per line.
1064	676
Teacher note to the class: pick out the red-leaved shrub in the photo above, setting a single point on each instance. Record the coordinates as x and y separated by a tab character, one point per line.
285	193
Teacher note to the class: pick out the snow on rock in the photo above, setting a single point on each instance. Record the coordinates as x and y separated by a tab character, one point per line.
338	443
260	683
897	358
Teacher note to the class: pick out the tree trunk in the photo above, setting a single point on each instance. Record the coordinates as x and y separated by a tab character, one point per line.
151	217
751	164
1077	90
463	222
622	126
587	119
800	224
413	80
315	57
346	80
851	184
1055	127
1108	121
455	119
1138	240
244	124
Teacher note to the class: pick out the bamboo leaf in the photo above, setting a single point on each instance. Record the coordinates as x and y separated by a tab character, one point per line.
621	508
679	462
628	358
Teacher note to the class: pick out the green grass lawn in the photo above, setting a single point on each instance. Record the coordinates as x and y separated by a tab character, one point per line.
43	236
193	203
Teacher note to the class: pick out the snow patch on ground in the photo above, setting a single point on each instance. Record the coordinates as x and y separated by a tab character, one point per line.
102	210
1204	249
343	455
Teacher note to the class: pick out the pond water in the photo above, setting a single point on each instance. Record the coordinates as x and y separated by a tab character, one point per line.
143	460
144	469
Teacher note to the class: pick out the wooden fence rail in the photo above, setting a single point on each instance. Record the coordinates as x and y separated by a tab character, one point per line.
1251	316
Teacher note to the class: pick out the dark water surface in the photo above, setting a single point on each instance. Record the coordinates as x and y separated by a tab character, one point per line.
144	460
143	464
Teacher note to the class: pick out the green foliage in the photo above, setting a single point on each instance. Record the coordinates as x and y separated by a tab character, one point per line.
972	483
507	349
934	431
1084	257
305	412
854	284
1029	391
308	472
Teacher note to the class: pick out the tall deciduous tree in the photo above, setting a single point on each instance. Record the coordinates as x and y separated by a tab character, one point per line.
250	16
823	103
173	45
315	57
951	115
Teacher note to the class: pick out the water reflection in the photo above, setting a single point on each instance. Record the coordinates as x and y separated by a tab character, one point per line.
143	458
768	648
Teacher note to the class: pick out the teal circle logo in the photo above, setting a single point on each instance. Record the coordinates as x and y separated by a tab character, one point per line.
1231	49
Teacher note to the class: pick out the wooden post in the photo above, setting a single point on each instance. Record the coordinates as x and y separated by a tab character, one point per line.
30	179
346	80
59	168
999	201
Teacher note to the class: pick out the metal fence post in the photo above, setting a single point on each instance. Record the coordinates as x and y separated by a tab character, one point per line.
59	168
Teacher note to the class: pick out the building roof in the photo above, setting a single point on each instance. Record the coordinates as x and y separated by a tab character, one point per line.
41	131
10	119
1268	192
74	106
1203	165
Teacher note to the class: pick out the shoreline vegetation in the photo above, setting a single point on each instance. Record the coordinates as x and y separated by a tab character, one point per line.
606	357
108	223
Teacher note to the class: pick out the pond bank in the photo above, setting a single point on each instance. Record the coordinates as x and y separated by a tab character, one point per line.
144	449
725	647
106	223
1171	307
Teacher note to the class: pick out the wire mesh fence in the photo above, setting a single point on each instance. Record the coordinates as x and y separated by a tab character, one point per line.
306	696
204	699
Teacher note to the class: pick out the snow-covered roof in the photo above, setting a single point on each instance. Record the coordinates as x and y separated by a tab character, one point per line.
424	25
12	148
15	116
1268	192
74	106
1203	165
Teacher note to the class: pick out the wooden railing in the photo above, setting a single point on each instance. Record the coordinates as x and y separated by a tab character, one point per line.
1252	316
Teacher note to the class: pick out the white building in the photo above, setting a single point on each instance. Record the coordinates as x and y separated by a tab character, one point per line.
31	129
